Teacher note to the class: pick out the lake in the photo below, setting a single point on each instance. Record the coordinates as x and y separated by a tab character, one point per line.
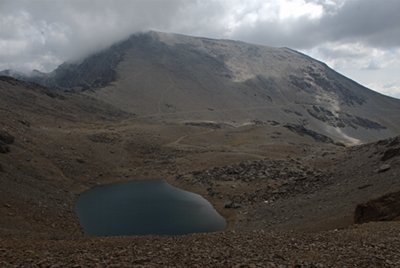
143	208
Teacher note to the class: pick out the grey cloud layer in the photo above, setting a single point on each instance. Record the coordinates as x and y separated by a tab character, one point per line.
41	34
373	22
62	30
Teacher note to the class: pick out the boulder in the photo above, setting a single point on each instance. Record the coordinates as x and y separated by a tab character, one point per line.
232	204
385	208
383	168
6	138
390	153
4	148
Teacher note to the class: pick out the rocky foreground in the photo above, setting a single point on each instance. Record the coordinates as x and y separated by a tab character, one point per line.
290	200
300	192
368	245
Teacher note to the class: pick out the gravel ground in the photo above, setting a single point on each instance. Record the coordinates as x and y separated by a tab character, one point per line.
62	149
367	245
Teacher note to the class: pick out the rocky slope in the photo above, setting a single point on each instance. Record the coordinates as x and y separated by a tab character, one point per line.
289	199
255	130
372	245
176	77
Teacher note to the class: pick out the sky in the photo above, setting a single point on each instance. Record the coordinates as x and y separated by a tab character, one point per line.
358	38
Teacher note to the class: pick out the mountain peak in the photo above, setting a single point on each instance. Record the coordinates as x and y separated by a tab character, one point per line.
178	77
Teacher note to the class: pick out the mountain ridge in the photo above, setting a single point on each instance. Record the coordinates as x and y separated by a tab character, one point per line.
177	77
261	149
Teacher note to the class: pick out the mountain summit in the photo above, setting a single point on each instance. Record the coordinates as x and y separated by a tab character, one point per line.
177	77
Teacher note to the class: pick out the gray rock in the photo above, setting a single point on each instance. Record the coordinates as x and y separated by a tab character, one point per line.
6	138
383	168
232	204
4	148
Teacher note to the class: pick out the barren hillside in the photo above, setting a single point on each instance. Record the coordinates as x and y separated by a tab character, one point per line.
257	131
175	77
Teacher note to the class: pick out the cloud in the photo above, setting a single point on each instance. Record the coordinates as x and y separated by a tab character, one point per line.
354	55
371	22
44	33
373	65
390	89
359	34
54	31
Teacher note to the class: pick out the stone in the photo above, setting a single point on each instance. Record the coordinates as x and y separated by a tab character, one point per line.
25	122
6	138
80	160
390	153
4	148
385	208
383	168
232	204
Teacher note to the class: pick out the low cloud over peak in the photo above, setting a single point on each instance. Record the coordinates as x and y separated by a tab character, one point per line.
42	34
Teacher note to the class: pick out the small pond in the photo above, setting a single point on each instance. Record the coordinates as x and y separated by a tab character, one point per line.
145	207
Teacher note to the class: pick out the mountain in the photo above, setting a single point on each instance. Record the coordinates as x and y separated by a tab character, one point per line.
176	77
260	149
275	190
